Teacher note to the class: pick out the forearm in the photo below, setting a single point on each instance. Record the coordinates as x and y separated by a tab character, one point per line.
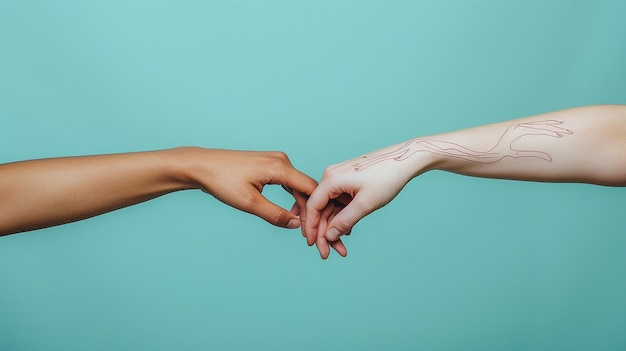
41	193
586	144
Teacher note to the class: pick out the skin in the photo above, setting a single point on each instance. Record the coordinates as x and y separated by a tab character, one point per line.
585	144
42	193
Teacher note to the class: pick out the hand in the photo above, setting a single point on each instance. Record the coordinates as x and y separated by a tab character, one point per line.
237	179
346	194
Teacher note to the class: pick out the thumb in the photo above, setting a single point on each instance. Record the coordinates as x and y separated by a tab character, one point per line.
345	219
273	213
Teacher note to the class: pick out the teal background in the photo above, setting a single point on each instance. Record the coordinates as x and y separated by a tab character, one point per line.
453	263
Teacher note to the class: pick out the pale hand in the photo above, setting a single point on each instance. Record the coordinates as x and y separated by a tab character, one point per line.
346	194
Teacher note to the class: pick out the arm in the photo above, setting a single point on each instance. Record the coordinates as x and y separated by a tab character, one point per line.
42	193
586	144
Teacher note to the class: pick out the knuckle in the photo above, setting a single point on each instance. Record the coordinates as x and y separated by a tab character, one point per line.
278	165
334	174
329	173
280	155
342	226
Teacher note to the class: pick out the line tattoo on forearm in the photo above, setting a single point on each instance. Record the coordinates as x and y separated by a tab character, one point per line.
504	147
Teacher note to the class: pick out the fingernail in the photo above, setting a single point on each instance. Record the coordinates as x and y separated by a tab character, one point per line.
293	223
332	234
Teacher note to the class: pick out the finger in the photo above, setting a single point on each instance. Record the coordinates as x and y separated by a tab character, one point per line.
345	219
314	206
322	244
338	208
323	221
339	247
327	212
295	209
299	204
274	214
326	217
298	208
293	179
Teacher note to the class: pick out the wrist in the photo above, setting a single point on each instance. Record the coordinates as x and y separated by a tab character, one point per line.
183	167
424	161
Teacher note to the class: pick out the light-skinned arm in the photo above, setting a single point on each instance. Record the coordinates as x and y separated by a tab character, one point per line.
584	144
41	193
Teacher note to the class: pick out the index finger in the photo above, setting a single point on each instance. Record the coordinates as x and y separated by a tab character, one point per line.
316	203
296	180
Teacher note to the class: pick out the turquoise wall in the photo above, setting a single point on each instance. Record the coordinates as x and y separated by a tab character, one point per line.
453	263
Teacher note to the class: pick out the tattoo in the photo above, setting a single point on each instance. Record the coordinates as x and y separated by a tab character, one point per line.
503	148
